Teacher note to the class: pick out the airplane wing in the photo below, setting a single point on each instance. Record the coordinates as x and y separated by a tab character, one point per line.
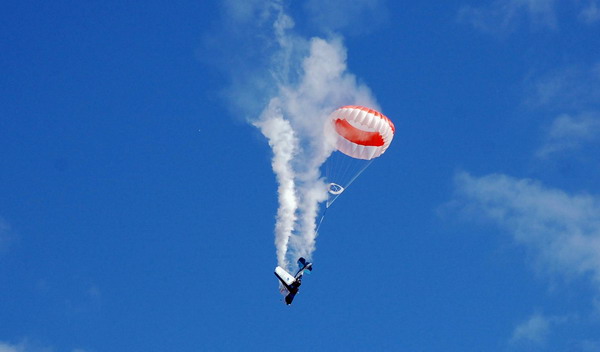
285	277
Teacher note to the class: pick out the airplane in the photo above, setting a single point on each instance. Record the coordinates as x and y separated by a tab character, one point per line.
290	285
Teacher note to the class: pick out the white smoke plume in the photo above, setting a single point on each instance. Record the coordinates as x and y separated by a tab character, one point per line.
284	144
312	80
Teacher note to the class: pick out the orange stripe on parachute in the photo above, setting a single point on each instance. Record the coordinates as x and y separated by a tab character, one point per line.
354	135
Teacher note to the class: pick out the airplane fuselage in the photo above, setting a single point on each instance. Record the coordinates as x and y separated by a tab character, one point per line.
290	285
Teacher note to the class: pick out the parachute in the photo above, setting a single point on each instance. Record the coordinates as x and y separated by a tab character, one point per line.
359	135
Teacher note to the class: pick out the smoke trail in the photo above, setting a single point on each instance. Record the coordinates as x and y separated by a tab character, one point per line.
284	144
312	80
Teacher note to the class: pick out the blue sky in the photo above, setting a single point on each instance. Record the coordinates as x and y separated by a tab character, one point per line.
138	203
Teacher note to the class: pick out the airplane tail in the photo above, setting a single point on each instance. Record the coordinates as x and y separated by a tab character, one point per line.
303	264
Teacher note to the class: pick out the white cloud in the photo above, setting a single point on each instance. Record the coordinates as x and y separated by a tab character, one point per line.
536	329
570	133
562	230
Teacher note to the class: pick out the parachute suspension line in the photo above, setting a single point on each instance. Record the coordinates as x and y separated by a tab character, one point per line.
348	183
339	170
336	172
360	172
320	221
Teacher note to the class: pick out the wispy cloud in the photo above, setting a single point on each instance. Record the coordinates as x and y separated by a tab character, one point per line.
356	17
568	134
27	346
24	346
247	10
574	94
506	15
562	230
570	88
591	13
242	46
535	330
6	347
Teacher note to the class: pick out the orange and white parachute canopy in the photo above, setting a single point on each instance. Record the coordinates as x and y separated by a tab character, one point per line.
361	133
